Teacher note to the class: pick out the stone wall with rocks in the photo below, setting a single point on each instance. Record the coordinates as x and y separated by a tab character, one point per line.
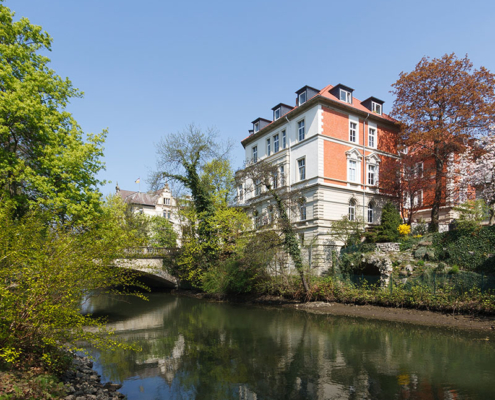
387	247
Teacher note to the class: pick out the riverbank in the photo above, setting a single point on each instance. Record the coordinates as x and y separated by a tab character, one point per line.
404	315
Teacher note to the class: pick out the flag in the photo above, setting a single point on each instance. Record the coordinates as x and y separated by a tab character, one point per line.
138	180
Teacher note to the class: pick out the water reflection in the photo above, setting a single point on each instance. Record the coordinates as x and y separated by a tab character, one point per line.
193	349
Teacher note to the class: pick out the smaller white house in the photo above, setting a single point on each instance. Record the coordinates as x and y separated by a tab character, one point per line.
158	203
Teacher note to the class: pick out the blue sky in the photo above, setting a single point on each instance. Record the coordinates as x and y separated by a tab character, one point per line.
151	67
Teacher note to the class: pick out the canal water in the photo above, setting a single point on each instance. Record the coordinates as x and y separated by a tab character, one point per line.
194	349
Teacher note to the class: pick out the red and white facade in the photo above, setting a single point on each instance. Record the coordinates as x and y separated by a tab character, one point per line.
332	146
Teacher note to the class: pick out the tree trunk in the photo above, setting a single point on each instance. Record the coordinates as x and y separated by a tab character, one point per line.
435	209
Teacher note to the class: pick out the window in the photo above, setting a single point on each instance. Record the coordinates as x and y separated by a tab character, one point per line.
166	201
275	144
282	176
240	193
284	140
255	154
370	212
276	114
257	187
256	127
352	131
372	137
352	175
376	108
418	199
268	147
301	164
418	170
275	179
372	172
300	130
169	214
345	96
302	98
352	210
302	212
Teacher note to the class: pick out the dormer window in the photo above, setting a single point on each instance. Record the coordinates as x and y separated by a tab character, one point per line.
276	114
376	107
302	98
256	127
345	96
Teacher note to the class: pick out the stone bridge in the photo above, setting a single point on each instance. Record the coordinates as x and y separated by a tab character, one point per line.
149	262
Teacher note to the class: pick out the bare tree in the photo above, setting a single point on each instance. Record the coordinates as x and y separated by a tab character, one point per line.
264	179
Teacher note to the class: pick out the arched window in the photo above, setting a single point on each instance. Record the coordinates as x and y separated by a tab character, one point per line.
371	212
352	210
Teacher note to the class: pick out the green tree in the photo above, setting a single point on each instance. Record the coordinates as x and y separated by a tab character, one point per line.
44	158
46	271
442	105
387	231
347	231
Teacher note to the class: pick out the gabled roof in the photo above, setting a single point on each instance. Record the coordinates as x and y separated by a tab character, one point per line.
145	199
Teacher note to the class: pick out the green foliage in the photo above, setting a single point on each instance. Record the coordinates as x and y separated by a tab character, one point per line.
46	270
471	250
387	231
472	214
154	231
29	385
454	270
346	231
436	292
224	238
421	228
45	159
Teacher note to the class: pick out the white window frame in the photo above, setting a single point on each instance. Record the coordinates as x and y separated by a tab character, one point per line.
417	168
166	201
351	211
372	142
301	132
376	107
303	98
276	143
302	212
268	147
284	139
352	171
301	167
255	153
418	199
345	95
276	114
353	131
282	175
371	212
275	179
256	127
257	187
372	174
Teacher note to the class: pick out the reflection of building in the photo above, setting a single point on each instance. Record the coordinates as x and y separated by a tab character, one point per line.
330	146
159	203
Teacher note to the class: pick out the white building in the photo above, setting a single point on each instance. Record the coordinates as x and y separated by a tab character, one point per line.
331	146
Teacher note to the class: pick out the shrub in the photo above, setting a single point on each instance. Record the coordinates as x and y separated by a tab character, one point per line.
471	250
388	229
404	229
454	269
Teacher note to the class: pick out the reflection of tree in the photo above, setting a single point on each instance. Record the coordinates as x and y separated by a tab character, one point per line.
219	351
